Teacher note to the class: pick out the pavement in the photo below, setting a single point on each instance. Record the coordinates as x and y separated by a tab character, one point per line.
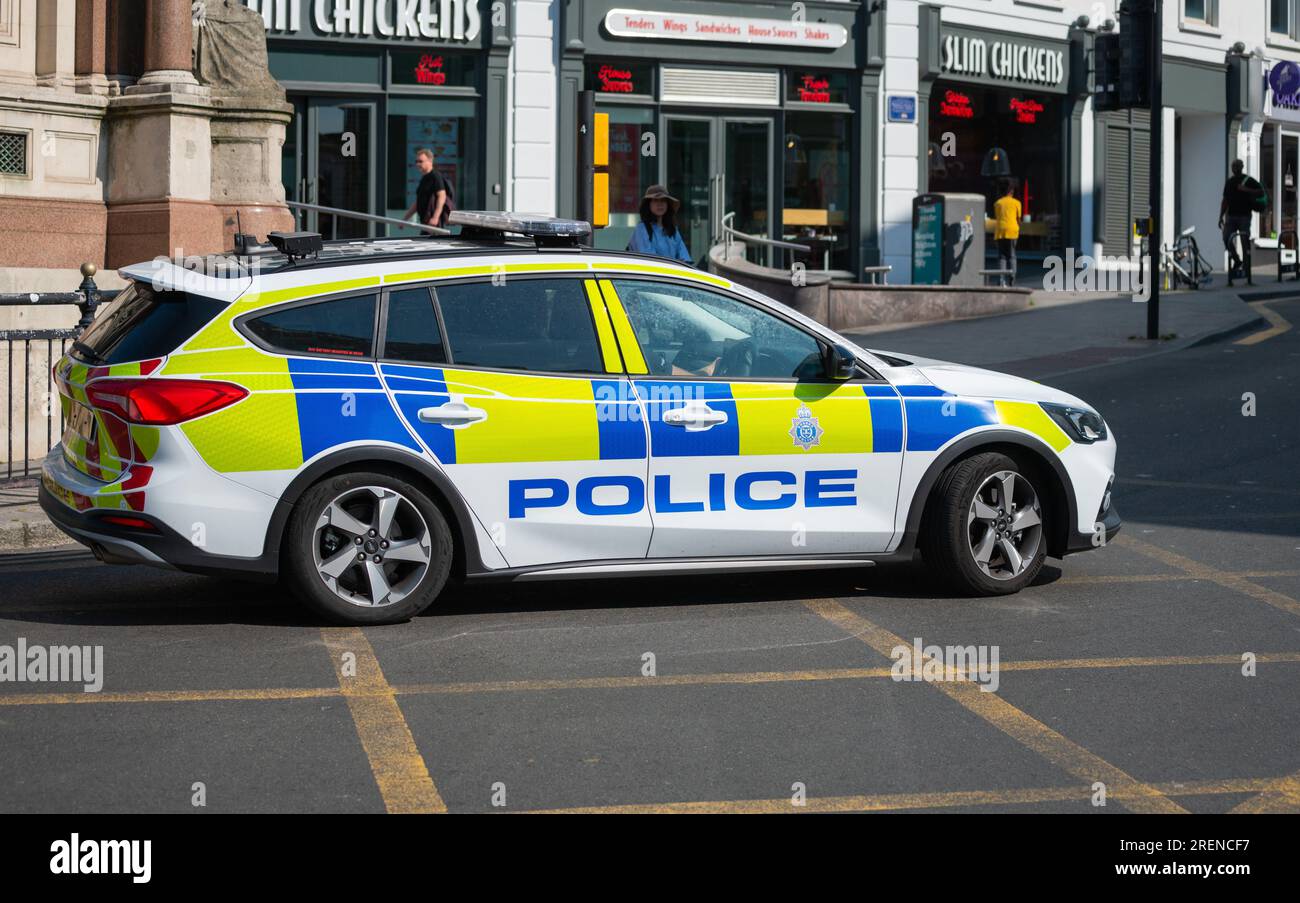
1156	674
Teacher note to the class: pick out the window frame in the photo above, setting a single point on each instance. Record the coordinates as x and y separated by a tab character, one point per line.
575	276
862	376
381	331
241	324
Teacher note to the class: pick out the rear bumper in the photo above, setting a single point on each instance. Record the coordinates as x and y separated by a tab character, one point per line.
157	545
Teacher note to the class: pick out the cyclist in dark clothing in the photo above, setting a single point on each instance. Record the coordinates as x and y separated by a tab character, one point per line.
1240	193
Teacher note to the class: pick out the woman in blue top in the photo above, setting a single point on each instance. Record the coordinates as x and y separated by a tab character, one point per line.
658	233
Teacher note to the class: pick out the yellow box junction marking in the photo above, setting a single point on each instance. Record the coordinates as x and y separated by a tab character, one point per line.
1020	726
398	767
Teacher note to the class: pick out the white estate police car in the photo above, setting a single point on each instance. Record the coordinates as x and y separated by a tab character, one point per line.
366	419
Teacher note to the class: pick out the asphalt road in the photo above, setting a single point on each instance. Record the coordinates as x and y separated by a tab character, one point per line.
1123	667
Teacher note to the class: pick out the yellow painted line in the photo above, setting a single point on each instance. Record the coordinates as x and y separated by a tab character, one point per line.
1277	324
1282	798
1204	572
638	682
1020	726
16	699
905	801
627	682
399	769
1160	578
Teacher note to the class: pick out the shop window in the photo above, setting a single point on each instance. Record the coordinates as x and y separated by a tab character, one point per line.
1268	178
620	77
981	136
817	178
433	69
450	129
523	324
631	171
816	87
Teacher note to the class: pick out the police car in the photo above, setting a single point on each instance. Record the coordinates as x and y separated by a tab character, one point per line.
366	420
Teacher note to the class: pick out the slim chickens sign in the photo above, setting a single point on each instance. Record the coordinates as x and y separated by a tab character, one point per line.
457	21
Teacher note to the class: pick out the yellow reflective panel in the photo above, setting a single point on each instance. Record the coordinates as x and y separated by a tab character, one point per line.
529	418
604	330
258	433
627	343
768	411
1032	418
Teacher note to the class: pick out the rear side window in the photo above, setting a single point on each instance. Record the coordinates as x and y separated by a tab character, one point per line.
522	324
141	323
344	327
412	332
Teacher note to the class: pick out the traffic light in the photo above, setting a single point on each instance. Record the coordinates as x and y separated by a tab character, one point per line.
1105	66
1136	20
593	162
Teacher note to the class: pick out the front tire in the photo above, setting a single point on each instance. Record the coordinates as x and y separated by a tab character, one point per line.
367	548
984	529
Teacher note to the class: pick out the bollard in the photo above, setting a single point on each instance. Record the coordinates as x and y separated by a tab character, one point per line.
90	296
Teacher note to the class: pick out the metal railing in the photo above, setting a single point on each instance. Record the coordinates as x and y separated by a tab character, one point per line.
730	234
32	406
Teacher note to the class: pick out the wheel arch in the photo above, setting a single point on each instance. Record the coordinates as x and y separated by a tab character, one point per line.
403	465
1037	460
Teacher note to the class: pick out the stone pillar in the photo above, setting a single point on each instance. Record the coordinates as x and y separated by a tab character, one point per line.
92	46
56	42
160	151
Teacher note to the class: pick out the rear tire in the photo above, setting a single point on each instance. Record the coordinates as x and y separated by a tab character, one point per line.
367	548
985	527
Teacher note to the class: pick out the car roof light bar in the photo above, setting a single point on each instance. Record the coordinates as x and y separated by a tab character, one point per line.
545	230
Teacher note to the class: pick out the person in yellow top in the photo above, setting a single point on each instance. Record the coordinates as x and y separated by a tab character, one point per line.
1006	216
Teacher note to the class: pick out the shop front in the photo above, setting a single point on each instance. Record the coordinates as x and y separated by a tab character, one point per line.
744	114
372	81
1279	154
999	109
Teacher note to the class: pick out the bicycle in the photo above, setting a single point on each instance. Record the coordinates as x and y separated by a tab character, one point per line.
1183	262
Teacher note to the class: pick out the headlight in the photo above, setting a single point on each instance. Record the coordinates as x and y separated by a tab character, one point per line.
1080	424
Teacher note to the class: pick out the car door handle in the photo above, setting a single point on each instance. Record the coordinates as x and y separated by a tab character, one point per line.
452	414
695	417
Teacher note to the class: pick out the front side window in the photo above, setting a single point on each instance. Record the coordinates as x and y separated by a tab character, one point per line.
687	331
521	324
344	327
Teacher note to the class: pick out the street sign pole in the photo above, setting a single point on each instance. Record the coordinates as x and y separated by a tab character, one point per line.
1157	169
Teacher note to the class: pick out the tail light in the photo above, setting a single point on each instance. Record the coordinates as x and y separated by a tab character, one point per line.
162	402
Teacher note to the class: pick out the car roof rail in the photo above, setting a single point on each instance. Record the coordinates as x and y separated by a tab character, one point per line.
545	231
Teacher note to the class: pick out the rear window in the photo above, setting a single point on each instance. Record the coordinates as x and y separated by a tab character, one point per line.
344	327
522	324
141	323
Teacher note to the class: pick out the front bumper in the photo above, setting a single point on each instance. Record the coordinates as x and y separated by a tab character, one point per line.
1108	527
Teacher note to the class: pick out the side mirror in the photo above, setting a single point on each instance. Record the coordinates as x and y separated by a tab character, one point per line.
841	363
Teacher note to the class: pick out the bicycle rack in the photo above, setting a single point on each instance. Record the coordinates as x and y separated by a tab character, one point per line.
1294	265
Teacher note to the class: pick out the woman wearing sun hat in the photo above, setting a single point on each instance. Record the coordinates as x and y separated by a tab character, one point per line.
658	233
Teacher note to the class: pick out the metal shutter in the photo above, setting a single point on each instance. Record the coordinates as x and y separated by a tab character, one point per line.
1127	168
720	87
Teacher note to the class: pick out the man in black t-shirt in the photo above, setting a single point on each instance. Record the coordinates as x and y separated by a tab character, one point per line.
432	194
1239	195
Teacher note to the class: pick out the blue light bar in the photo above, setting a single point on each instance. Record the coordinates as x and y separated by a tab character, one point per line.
531	225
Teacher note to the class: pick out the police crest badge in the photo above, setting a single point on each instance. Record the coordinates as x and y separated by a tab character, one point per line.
804	429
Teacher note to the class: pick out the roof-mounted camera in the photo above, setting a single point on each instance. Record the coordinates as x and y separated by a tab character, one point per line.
297	245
